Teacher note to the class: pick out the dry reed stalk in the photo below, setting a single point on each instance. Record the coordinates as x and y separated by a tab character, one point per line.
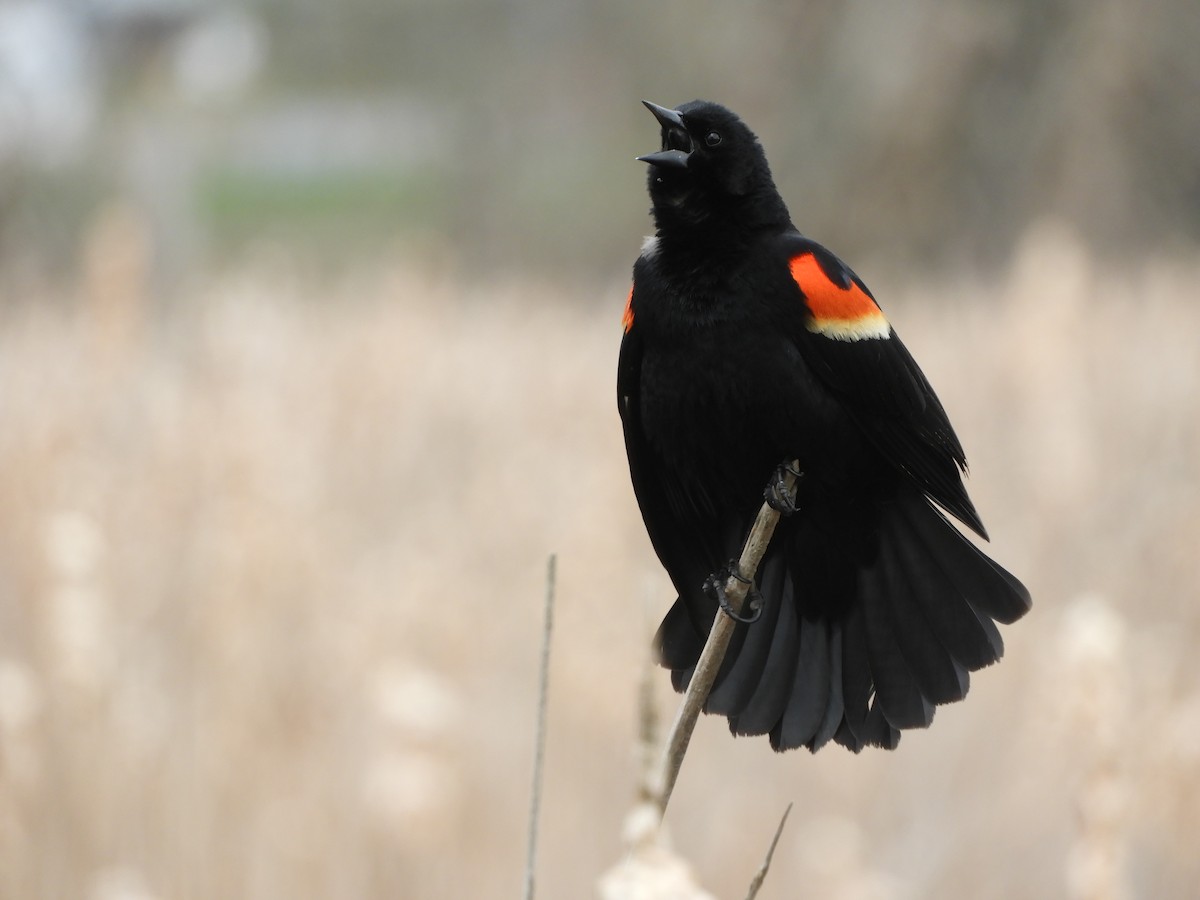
713	653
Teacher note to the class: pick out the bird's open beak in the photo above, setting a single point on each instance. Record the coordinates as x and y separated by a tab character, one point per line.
677	143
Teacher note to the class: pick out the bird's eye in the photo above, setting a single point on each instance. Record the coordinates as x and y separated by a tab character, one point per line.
712	138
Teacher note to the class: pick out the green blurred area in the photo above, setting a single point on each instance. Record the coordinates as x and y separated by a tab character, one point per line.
343	213
928	134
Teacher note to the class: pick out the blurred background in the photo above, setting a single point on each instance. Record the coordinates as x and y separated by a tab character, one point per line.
309	316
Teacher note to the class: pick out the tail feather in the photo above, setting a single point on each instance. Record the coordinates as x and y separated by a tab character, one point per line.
941	678
680	678
677	644
856	684
988	588
881	640
762	711
750	648
835	708
972	640
883	733
1015	602
810	691
896	690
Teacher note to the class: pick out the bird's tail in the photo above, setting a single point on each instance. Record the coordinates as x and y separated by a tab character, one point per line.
918	615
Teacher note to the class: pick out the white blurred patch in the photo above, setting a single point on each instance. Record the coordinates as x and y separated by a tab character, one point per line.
411	785
48	95
1092	632
20	707
73	544
119	883
651	870
1094	648
415	702
78	615
406	787
20	698
652	875
220	57
1092	656
79	625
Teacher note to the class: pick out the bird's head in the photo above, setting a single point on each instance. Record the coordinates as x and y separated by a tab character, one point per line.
710	167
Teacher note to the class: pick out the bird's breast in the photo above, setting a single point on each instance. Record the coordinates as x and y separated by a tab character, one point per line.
718	408
726	405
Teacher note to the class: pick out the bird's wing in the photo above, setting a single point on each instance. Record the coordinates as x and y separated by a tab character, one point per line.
851	347
678	517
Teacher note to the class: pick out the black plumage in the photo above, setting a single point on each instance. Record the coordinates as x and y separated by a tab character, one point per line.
747	344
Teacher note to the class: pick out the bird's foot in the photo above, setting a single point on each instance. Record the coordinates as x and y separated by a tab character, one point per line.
714	586
777	494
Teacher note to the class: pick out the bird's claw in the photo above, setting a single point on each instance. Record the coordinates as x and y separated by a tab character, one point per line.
714	586
777	494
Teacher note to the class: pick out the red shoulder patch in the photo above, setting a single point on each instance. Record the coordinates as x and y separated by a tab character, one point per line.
627	316
842	313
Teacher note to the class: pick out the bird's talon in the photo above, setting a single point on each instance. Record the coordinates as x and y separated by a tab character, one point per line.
732	571
777	495
715	586
788	468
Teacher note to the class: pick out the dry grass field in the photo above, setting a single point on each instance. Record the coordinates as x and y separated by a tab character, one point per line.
271	562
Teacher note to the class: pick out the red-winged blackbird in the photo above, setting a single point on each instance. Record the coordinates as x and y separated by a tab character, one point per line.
747	344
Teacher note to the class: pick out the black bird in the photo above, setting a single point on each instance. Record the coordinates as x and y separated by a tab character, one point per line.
746	345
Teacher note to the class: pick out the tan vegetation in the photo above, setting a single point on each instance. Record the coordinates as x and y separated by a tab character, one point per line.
271	561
